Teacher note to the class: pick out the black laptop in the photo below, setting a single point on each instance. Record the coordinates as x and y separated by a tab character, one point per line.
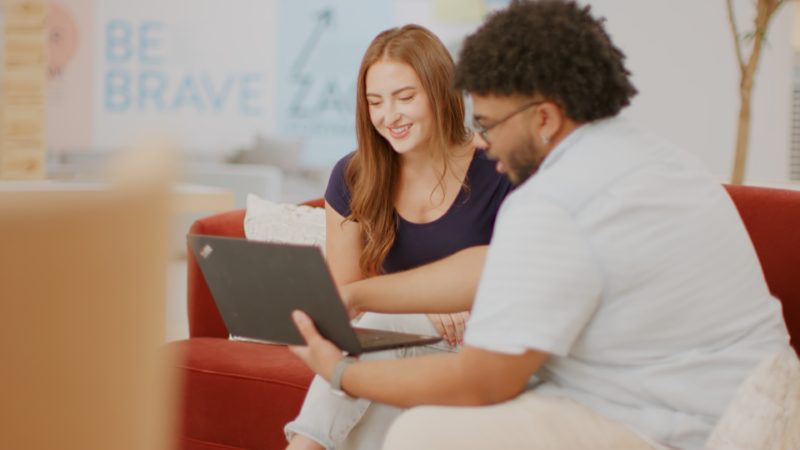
256	286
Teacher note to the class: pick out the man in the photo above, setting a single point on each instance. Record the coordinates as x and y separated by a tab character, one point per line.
620	273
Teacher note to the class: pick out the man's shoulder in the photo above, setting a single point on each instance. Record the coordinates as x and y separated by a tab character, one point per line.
609	156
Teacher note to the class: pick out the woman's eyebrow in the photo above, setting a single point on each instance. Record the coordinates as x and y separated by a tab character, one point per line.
395	92
404	88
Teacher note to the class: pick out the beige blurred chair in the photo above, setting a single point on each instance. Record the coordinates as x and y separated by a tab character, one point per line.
82	291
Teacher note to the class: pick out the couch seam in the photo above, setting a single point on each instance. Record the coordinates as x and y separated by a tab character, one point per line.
214	444
244	377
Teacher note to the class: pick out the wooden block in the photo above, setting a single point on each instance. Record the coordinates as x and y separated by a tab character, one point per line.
23	114
34	145
22	165
22	95
23	10
20	129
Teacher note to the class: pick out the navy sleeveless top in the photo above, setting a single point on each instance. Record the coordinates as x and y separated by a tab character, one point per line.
468	222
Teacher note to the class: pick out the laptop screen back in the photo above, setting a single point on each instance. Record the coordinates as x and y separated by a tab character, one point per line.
257	285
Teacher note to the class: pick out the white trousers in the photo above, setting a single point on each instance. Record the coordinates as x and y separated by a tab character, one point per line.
528	422
338	422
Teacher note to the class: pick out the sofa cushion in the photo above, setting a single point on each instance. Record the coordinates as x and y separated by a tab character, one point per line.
238	394
765	412
284	222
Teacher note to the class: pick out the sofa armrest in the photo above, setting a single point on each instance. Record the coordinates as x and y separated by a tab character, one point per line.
316	203
204	318
772	219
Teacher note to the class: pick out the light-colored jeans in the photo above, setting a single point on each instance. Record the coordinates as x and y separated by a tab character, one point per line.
528	422
338	422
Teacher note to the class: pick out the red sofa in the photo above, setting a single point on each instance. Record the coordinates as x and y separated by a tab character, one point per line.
238	395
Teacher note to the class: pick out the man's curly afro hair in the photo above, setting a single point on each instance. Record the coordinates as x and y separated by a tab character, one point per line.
553	48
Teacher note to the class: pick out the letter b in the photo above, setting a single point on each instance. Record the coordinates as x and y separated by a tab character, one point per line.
119	46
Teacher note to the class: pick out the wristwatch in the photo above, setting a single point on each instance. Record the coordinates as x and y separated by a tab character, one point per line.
336	376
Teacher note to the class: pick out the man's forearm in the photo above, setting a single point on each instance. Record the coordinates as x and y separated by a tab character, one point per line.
443	286
427	380
470	378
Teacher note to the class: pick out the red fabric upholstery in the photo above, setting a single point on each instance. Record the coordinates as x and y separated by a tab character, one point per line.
238	395
316	203
204	318
772	218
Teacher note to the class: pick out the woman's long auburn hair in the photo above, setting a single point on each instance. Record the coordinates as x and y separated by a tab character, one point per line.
372	173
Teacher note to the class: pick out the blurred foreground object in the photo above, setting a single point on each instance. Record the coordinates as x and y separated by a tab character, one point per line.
83	286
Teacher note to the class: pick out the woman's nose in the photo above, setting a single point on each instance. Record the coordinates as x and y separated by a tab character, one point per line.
392	114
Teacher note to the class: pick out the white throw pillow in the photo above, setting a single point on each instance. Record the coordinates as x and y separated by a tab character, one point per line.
282	222
765	413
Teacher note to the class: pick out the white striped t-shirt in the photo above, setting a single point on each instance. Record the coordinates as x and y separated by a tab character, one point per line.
629	264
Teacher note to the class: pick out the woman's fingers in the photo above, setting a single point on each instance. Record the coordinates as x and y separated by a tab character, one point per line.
436	320
450	329
460	322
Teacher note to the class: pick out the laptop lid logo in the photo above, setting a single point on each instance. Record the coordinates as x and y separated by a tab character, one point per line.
206	251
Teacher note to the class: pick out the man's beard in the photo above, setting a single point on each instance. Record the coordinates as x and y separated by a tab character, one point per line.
524	161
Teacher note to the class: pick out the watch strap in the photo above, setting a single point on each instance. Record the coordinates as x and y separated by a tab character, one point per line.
338	371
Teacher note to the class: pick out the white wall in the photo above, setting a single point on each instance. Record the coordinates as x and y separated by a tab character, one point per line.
683	62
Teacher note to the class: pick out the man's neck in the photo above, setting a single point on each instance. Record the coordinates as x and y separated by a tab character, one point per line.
567	127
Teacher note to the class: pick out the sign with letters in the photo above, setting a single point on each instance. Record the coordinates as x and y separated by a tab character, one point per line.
213	75
321	45
198	70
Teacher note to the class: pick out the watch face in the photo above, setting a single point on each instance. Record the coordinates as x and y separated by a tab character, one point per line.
63	38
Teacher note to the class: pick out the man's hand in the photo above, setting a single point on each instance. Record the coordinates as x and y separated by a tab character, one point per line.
319	354
450	326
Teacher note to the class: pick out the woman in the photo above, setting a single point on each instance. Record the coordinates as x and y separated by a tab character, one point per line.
415	190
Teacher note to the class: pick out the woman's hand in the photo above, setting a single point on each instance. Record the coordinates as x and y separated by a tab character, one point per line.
319	354
450	326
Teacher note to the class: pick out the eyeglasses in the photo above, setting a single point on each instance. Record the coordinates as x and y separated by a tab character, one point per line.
483	131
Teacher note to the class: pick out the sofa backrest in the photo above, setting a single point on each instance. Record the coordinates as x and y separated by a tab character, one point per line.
204	318
772	218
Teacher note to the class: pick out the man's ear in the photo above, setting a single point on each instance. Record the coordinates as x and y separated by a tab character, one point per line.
548	119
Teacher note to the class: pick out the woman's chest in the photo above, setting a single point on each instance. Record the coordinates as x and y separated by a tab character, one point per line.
426	202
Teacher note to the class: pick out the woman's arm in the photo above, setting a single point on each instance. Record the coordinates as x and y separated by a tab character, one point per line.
444	286
343	245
